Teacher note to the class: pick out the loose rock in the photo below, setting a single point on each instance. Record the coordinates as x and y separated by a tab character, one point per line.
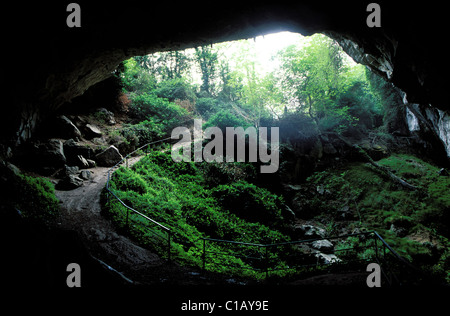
69	183
108	157
324	246
92	131
66	129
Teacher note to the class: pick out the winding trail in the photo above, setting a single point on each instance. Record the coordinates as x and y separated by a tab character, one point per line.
81	212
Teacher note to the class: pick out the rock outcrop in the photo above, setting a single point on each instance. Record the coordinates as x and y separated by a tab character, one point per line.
49	154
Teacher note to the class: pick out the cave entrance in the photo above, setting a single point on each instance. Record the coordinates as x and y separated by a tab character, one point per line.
306	85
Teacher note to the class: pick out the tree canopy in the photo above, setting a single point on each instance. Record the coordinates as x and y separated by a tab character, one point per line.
314	80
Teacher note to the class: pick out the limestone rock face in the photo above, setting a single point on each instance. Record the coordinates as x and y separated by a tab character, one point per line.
50	154
406	50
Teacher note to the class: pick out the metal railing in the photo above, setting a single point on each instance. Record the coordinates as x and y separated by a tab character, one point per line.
135	217
266	258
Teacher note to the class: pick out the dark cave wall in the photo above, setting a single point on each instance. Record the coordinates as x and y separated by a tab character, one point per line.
49	63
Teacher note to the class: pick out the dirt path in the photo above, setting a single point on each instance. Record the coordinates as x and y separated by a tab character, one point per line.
81	211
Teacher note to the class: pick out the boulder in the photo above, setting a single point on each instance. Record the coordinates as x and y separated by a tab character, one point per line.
443	172
65	128
345	213
324	246
91	163
309	231
92	131
67	171
326	259
108	157
398	230
81	162
106	115
72	149
85	175
70	182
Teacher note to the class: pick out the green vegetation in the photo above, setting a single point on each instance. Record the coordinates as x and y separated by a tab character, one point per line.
322	102
178	196
33	197
414	223
315	82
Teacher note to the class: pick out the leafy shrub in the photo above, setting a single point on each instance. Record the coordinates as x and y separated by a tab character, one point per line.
143	132
128	180
250	202
134	79
173	89
148	106
175	195
224	119
35	198
205	106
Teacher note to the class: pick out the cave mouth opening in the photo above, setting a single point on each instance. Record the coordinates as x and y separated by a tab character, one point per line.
260	80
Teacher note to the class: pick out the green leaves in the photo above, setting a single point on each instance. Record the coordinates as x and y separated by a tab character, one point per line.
176	195
35	198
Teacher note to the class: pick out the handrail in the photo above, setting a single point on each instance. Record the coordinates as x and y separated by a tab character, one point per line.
266	246
168	230
395	253
140	214
287	242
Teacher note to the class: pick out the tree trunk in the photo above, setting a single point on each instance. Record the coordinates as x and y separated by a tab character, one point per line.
383	169
386	171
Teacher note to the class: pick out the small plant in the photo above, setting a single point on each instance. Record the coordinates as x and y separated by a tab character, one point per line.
35	198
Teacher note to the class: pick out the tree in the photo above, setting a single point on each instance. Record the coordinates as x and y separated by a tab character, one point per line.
172	64
314	78
207	60
135	77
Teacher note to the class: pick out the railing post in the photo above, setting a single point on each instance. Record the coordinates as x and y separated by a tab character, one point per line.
169	245
376	246
126	221
204	255
267	261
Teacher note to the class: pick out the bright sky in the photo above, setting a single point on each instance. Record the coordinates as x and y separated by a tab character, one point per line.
265	47
268	45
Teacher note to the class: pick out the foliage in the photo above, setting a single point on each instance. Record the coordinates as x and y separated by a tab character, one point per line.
206	106
144	132
174	89
159	111
134	79
207	59
394	212
35	198
176	195
250	202
317	78
223	119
